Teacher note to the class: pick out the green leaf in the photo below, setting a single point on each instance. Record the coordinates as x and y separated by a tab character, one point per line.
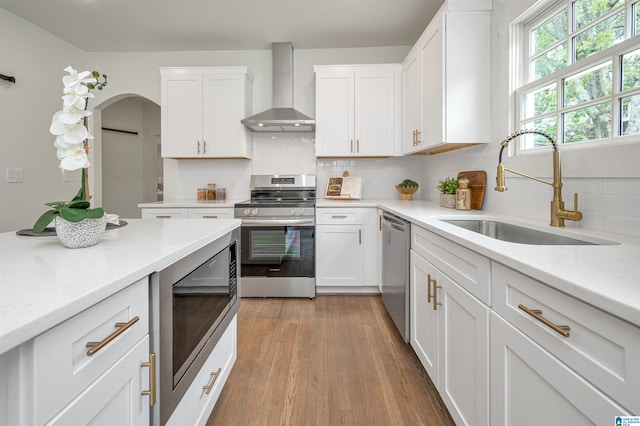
44	220
73	215
96	213
78	204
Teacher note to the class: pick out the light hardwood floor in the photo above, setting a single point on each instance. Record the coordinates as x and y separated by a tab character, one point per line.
335	360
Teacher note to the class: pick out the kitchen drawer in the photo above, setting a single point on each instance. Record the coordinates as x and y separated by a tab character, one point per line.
336	216
211	213
197	403
600	347
62	369
154	213
467	268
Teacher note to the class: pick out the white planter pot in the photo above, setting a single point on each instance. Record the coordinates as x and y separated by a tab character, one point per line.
448	200
85	233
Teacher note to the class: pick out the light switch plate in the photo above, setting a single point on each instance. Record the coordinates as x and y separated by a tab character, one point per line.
14	176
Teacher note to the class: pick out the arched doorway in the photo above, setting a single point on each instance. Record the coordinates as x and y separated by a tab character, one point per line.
128	167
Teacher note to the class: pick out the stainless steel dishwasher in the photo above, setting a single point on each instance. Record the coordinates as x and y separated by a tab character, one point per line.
396	240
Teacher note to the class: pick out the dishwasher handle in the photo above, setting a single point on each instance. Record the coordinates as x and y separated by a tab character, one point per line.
394	221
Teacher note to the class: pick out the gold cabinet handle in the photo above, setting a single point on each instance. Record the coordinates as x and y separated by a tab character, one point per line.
152	379
414	138
358	146
435	295
351	145
214	377
339	216
204	147
209	217
537	314
360	236
163	217
121	328
198	147
380	222
429	287
418	133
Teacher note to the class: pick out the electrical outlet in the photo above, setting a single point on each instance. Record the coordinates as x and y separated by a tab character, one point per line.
14	176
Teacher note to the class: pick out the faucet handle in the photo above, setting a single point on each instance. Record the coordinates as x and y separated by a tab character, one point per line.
575	201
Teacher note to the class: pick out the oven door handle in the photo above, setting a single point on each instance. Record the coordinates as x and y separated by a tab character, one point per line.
277	222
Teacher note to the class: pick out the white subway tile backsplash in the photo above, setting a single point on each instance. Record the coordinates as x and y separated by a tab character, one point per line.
631	206
625	225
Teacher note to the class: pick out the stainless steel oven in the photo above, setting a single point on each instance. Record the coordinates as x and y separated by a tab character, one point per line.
193	302
278	237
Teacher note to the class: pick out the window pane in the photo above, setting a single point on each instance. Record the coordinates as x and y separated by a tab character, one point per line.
549	62
631	70
540	101
600	37
589	123
587	11
588	85
548	125
636	31
630	115
549	32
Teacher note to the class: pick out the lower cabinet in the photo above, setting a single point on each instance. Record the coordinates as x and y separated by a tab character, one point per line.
531	387
199	400
188	213
347	250
450	335
114	398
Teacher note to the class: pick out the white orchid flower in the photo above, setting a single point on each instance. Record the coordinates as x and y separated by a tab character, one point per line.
72	133
76	81
72	115
78	101
73	159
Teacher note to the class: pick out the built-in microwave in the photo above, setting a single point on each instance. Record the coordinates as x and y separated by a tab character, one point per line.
192	303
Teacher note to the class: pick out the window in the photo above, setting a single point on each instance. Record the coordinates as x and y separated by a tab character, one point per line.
579	73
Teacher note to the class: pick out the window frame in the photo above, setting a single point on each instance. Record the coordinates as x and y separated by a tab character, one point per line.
520	58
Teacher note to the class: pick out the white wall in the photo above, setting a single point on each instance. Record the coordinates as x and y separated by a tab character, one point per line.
37	60
608	203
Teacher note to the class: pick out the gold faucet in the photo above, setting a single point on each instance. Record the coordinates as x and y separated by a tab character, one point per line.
558	213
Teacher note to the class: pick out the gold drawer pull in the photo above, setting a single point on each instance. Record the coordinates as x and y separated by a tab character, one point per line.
121	328
152	379
209	217
198	147
429	287
537	314
214	377
435	295
163	217
204	147
339	216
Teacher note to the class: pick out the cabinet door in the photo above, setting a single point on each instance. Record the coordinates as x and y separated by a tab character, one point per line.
412	103
181	115
424	320
371	247
433	85
374	112
531	387
339	255
114	398
335	113
464	353
223	108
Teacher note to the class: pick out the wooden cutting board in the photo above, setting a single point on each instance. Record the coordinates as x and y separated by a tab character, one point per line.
477	183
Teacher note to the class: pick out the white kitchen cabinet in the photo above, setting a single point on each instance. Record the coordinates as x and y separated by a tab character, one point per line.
63	381
357	110
347	239
446	96
201	112
198	402
529	386
597	348
190	213
449	331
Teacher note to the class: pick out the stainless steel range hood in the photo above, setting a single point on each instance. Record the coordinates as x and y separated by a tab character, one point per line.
282	117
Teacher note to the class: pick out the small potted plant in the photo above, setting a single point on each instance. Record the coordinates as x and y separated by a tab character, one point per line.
447	189
407	188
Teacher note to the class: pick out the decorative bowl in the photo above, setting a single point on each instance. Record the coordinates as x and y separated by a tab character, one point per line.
406	193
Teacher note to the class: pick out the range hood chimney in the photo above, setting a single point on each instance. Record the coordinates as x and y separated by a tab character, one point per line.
282	117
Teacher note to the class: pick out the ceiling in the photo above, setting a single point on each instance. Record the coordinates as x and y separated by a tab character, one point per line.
164	25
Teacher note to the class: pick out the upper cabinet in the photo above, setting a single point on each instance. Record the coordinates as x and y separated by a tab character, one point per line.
446	82
201	112
357	110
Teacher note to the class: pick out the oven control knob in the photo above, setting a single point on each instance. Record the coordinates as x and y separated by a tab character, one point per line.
294	212
254	212
246	212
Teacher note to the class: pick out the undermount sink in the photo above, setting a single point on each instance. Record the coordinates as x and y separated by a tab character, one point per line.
519	234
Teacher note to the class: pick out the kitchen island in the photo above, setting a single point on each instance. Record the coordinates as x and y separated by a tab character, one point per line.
54	300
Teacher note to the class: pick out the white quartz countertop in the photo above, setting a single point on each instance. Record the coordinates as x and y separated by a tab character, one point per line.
190	204
605	276
42	283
